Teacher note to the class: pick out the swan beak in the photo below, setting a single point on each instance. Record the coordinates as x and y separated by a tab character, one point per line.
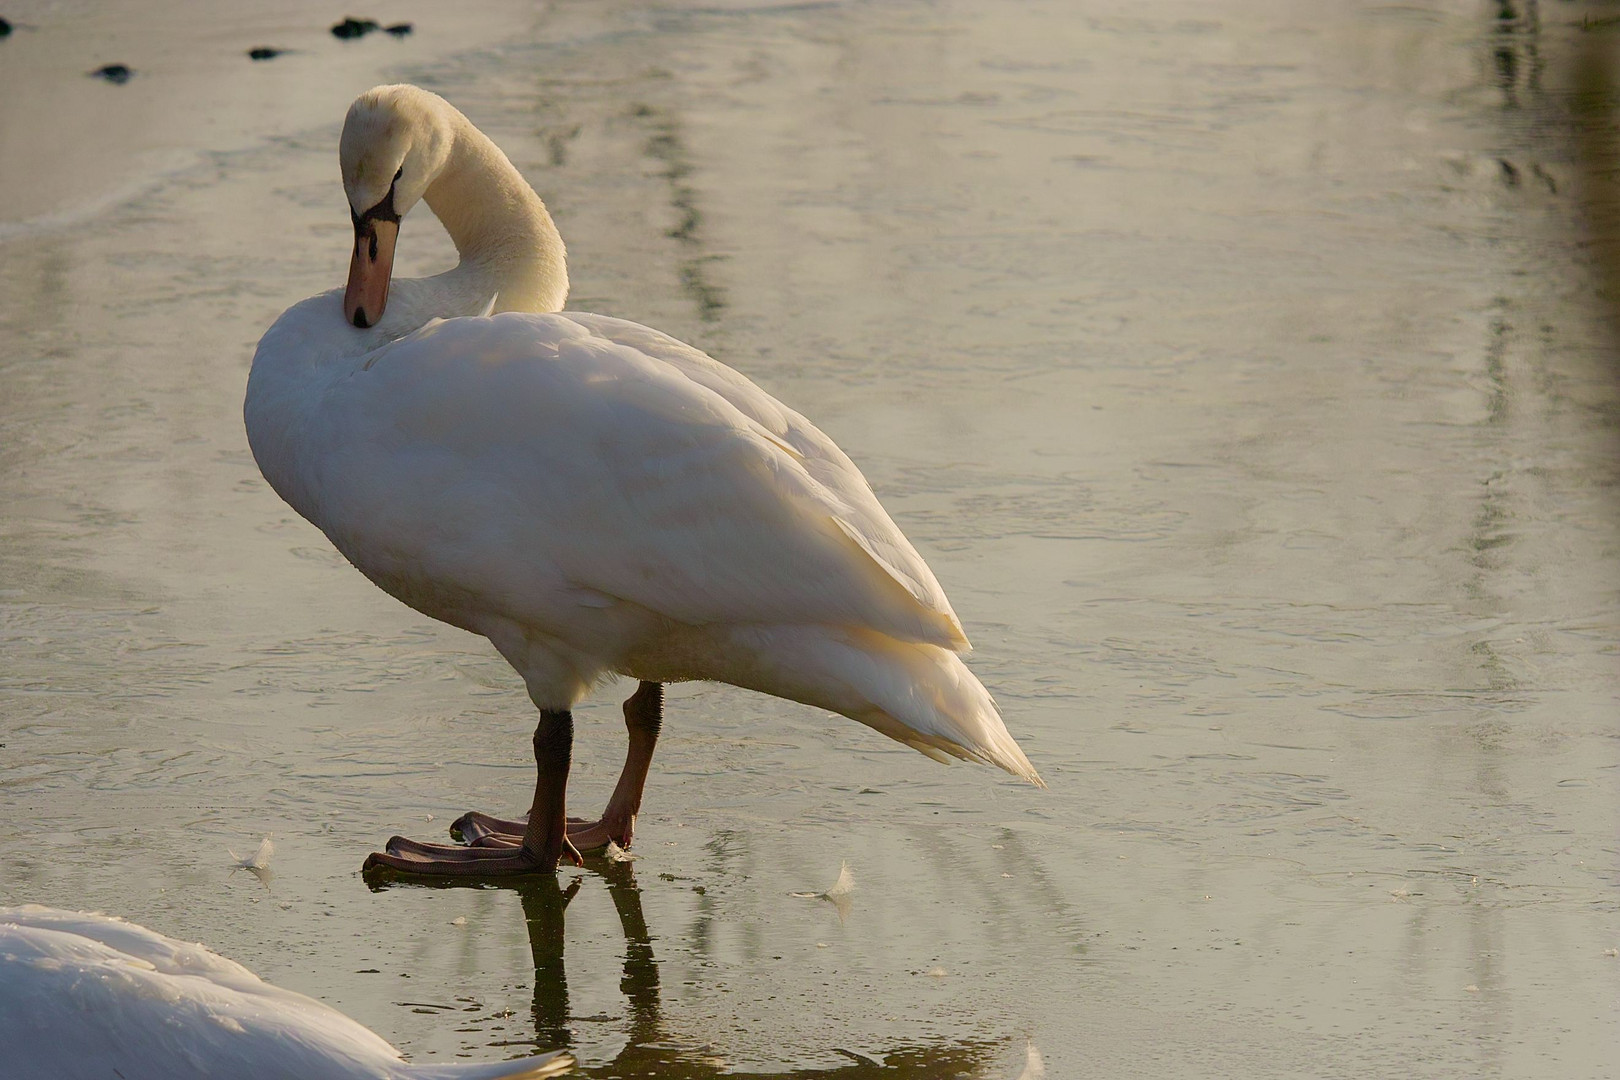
370	269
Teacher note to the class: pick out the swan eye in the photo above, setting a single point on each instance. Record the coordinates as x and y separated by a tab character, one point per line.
400	173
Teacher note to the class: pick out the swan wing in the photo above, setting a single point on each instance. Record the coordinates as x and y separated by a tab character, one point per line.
525	454
848	498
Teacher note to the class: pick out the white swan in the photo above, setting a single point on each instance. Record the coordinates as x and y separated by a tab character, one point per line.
94	997
590	495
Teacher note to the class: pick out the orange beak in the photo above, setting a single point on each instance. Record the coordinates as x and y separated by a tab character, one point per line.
372	267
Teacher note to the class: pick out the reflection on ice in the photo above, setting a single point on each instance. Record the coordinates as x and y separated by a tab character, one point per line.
653	1050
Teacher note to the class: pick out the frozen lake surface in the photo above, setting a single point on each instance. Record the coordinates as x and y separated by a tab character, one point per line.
1241	369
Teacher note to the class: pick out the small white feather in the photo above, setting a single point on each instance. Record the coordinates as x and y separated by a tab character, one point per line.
843	886
259	860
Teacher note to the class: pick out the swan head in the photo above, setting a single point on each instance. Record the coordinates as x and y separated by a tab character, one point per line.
396	141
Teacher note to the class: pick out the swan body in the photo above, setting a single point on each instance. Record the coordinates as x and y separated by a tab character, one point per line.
593	496
90	996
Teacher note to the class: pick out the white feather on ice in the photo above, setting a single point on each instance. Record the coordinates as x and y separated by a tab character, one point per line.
259	860
839	895
1034	1066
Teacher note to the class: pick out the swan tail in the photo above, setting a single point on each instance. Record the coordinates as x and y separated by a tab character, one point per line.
917	694
529	1068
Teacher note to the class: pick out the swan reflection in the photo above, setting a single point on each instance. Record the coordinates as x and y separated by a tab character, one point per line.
651	1051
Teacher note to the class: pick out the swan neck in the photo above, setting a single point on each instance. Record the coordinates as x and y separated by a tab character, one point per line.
500	227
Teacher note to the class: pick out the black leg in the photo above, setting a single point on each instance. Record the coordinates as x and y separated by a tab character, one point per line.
546	837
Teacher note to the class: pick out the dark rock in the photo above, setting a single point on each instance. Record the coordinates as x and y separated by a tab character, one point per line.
117	74
264	52
5	28
400	29
352	27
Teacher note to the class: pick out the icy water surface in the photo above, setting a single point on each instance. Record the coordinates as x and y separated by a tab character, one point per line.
1241	368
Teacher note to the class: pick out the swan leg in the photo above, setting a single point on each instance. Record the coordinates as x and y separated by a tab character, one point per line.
643	718
544	839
